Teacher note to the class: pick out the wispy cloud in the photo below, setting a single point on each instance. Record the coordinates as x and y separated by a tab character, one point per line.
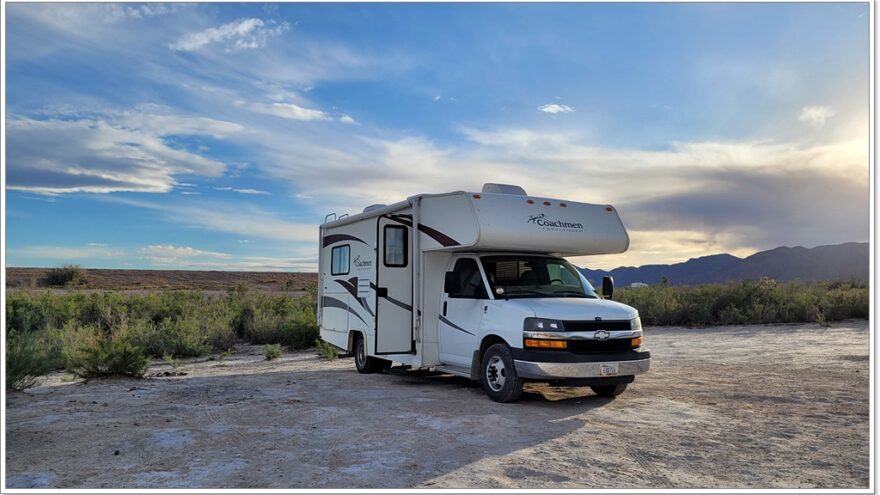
170	250
243	191
555	108
815	115
290	111
251	191
248	33
242	219
106	153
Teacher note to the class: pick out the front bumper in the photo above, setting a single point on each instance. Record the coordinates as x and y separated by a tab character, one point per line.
553	365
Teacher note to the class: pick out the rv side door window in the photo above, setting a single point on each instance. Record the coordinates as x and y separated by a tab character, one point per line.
395	245
339	260
471	281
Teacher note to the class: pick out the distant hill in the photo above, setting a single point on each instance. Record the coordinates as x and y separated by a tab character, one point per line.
840	262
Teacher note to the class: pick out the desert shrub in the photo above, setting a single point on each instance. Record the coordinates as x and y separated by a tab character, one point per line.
172	361
748	302
92	354
326	350
272	351
26	360
65	276
175	323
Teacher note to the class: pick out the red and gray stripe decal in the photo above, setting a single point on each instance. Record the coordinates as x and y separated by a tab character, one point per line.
351	286
443	239
392	300
332	302
453	325
334	238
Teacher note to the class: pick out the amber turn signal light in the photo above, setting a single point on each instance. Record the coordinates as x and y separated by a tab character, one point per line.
636	342
546	344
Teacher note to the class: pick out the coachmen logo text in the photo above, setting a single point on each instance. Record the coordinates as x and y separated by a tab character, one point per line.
359	263
548	223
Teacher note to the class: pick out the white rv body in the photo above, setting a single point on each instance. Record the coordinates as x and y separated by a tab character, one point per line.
382	273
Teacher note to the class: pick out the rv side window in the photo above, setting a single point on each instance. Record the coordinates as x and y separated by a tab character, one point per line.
339	260
395	245
471	281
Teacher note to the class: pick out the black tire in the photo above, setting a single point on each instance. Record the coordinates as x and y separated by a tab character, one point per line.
498	374
609	390
367	364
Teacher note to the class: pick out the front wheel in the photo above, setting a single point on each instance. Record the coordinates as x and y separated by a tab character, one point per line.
364	363
498	375
609	390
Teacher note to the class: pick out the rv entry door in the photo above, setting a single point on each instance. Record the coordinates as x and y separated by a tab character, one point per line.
394	269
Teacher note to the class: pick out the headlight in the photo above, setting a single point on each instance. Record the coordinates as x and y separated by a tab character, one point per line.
635	323
542	324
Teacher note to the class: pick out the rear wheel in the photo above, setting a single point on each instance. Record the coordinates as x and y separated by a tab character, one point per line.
498	374
609	390
365	363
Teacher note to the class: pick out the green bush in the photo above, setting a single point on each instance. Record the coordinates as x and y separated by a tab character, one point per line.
174	323
748	302
26	361
65	276
93	354
272	351
326	350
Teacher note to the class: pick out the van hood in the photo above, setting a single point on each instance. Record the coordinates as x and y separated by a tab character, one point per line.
575	308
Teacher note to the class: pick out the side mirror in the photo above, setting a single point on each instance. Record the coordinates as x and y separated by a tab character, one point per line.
452	283
607	287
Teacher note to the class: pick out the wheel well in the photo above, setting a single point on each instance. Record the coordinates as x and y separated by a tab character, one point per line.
352	336
489	341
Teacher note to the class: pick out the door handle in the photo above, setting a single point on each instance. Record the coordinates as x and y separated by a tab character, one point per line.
444	308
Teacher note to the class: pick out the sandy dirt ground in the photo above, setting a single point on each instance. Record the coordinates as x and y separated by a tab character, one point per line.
731	407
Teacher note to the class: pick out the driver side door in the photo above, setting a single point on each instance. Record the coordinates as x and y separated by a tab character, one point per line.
461	314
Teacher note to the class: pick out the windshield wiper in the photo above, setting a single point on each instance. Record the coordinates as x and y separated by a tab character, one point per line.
573	293
526	291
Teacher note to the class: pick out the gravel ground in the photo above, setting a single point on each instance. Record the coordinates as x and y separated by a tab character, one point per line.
729	407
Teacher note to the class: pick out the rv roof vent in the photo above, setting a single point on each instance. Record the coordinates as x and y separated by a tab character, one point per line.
490	188
373	207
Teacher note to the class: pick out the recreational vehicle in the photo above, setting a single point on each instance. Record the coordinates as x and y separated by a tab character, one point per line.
477	285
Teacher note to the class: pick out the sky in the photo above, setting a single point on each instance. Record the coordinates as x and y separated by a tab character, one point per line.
218	136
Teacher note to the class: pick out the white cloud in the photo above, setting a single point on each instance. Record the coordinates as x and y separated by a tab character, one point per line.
243	219
243	191
555	108
172	251
251	191
346	119
815	115
106	153
241	34
290	111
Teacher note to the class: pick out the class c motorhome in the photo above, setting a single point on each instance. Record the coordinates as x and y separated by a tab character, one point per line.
476	284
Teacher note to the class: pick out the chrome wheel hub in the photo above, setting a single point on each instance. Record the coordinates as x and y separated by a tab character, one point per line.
495	373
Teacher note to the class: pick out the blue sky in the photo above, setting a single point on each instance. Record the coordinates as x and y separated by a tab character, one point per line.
217	136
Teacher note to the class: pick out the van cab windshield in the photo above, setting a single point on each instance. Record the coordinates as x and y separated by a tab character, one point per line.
512	276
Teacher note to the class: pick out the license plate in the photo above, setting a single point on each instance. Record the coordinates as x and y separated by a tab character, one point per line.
607	369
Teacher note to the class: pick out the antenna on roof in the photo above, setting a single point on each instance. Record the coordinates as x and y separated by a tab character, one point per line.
491	188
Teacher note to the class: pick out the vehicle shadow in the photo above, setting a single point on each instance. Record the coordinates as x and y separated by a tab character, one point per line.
325	428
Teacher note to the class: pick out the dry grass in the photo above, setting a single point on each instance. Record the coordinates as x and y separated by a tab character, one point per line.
148	280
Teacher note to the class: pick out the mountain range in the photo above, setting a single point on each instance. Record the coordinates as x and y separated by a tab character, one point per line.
848	261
